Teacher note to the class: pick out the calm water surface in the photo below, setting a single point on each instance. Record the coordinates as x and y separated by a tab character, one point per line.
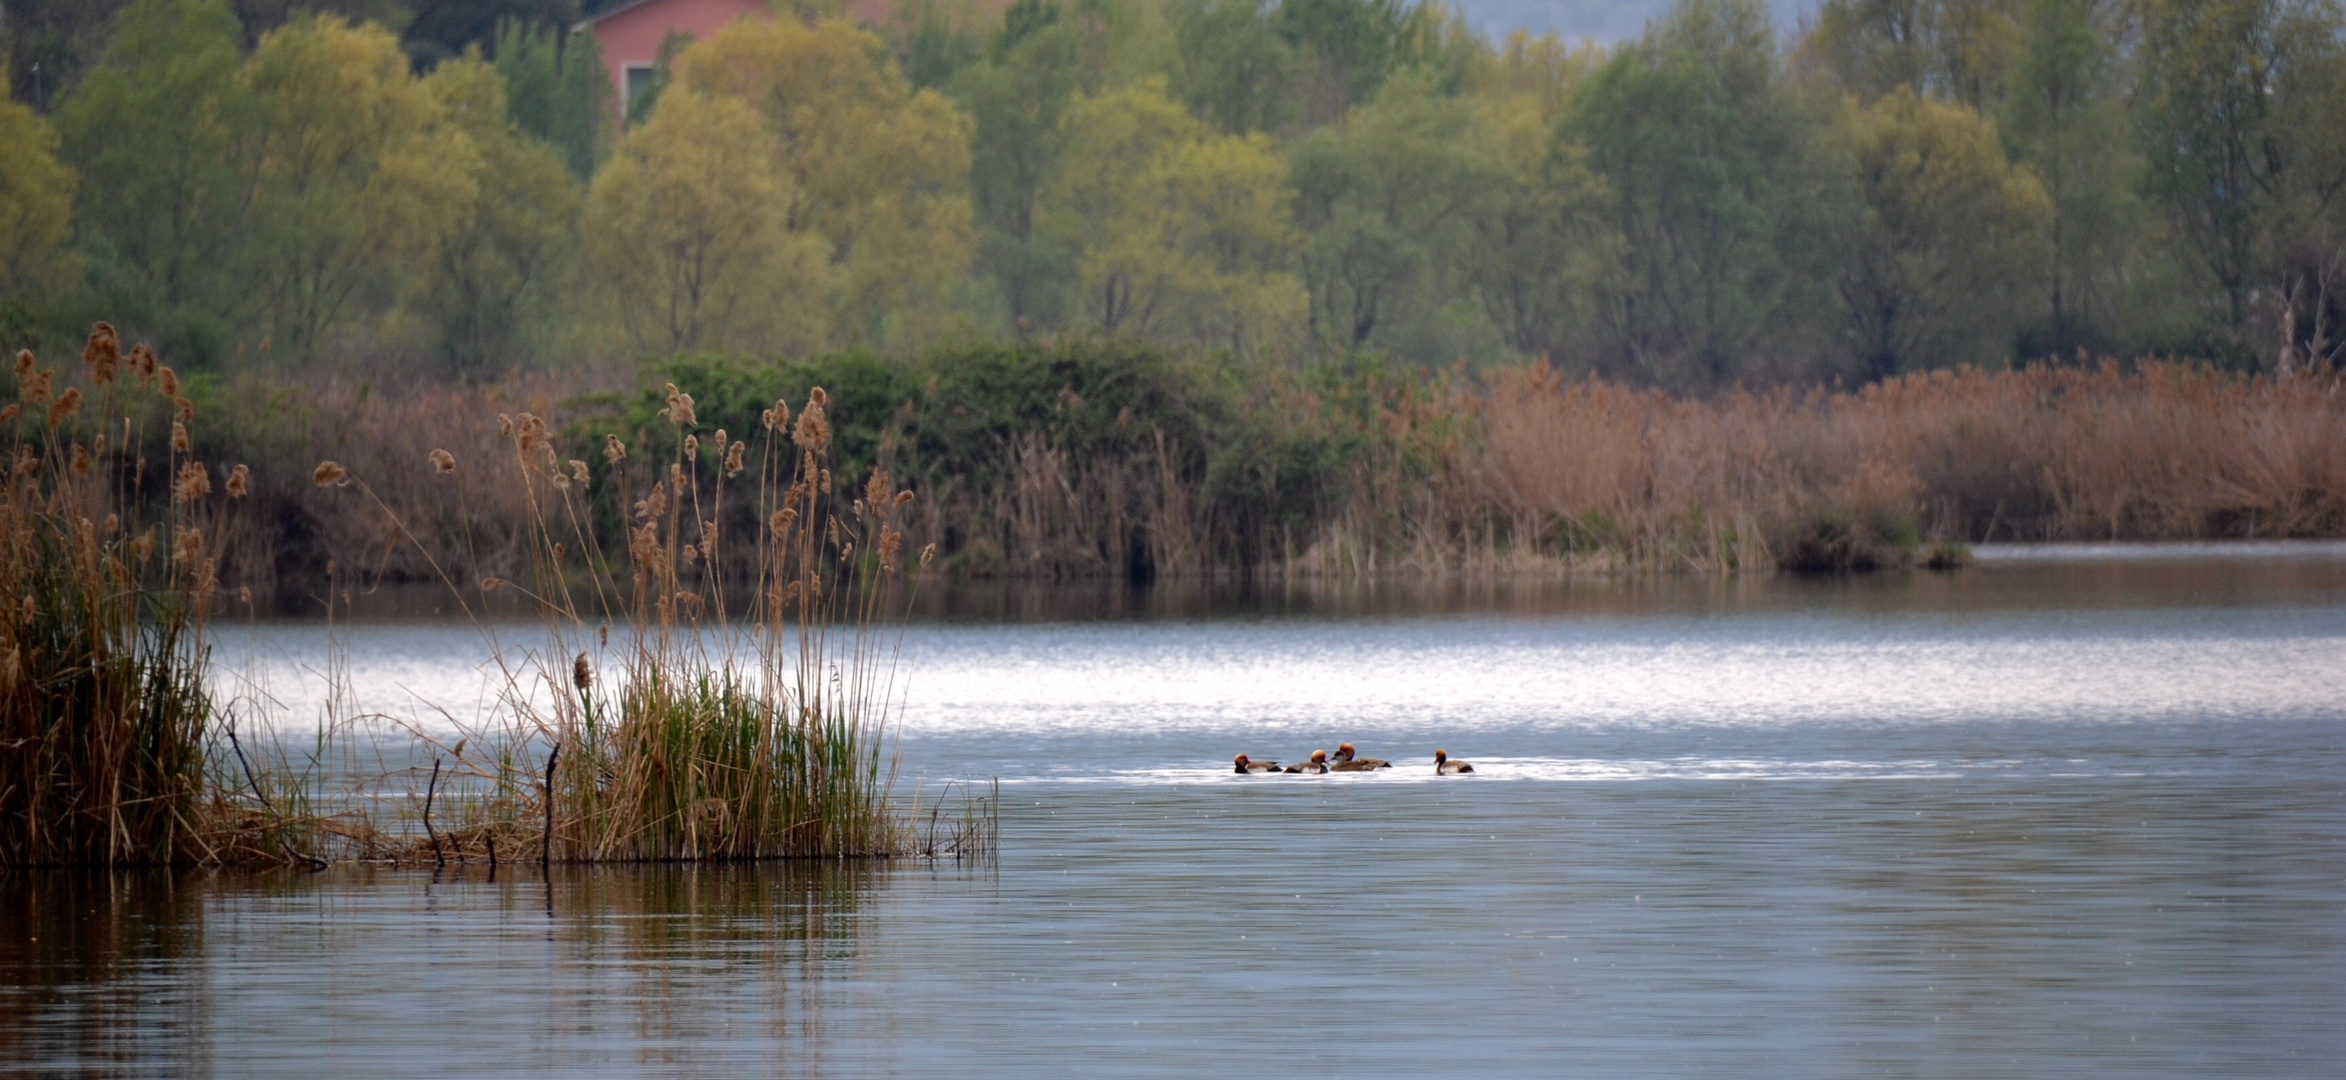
2060	814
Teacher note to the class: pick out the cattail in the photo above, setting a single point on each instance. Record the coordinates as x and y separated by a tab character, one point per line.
240	481
9	414
826	481
891	544
490	584
733	459
113	524
676	478
193	483
102	355
720	444
81	460
679	409
581	675
561	481
187	546
35	388
443	462
140	548
875	490
904	496
329	474
183	409
692	446
167	382
68	403
179	441
614	451
816	398
142	361
24	364
777	417
98	445
813	432
532	436
928	554
780	523
578	472
691	554
834	532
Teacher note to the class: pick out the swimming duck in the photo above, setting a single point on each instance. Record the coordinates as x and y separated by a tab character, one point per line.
1443	766
1345	762
1317	764
1254	768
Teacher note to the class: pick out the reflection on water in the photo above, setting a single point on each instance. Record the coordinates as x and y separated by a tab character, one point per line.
2039	818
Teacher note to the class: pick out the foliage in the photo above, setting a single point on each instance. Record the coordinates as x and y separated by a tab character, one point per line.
688	228
1950	235
557	91
36	208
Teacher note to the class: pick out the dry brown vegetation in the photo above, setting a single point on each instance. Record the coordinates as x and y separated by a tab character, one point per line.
1519	471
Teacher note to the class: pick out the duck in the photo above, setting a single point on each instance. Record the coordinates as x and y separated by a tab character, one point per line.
1443	766
1254	768
1345	762
1317	764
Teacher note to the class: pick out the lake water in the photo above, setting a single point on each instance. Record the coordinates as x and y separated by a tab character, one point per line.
2068	812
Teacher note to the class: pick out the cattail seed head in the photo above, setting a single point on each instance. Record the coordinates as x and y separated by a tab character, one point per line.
102	355
179	440
876	489
193	483
329	474
720	443
561	481
167	382
578	472
240	482
35	387
140	549
780	523
113	524
816	398
490	584
928	554
68	403
680	407
777	417
24	363
614	451
814	431
443	462
581	674
81	460
692	446
733	459
531	437
183	410
9	414
904	496
142	361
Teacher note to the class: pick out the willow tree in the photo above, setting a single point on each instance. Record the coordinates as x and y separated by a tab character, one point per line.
877	170
688	236
1951	236
1174	232
36	210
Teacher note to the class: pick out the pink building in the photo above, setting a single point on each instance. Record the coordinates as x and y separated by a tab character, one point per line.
630	34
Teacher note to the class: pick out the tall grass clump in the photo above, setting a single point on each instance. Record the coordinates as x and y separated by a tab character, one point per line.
678	711
104	716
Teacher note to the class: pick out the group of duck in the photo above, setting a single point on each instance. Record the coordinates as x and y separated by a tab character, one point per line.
1344	761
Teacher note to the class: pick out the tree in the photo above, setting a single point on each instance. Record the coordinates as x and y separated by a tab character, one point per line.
688	236
1382	196
2235	121
348	174
162	205
1015	99
1951	233
36	209
1233	68
443	29
557	90
878	169
1540	240
1723	201
2064	118
1174	232
497	256
1953	49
